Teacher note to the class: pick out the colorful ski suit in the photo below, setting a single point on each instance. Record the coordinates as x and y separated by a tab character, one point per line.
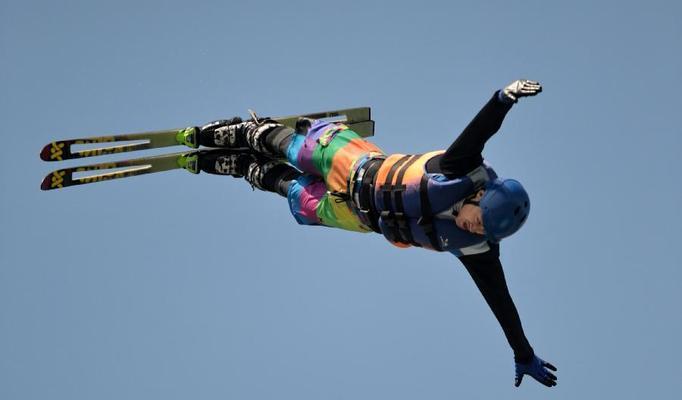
331	154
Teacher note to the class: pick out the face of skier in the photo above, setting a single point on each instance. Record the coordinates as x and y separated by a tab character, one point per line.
470	217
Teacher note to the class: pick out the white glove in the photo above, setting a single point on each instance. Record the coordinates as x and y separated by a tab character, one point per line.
521	88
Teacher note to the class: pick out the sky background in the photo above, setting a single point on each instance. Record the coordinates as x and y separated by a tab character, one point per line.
174	286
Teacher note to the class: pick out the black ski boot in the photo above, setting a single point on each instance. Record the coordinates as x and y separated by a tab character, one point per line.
260	171
226	162
265	137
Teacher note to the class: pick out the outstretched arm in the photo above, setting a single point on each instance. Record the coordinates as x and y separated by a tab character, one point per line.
464	155
486	271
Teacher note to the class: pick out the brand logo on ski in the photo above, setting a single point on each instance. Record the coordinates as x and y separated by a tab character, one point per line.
58	179
56	151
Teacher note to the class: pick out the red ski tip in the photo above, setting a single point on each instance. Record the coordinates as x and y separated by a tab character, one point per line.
53	180
45	153
53	151
45	185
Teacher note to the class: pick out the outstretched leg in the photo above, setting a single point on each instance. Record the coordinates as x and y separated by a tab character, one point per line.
304	192
316	184
253	151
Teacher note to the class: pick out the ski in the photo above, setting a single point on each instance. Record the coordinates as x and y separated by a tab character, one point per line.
362	128
348	116
65	177
358	119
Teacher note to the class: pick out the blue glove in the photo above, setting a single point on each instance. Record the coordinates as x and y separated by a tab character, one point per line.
538	369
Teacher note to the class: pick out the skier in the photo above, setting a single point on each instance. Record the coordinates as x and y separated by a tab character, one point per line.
448	200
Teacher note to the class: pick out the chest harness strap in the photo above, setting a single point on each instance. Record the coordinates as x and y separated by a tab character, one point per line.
426	221
394	211
365	197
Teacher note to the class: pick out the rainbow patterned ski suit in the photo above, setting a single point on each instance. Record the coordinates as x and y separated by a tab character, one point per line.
330	156
327	155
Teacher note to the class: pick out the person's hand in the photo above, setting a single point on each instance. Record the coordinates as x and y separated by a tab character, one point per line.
538	369
521	88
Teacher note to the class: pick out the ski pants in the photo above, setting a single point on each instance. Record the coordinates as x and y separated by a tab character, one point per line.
326	155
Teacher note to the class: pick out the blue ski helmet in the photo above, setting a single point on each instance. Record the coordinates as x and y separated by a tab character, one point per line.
505	206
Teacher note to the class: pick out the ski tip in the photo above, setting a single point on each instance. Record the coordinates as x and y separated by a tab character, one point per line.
45	153
54	180
45	184
53	152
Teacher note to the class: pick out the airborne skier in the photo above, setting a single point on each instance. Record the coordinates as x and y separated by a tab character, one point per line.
448	200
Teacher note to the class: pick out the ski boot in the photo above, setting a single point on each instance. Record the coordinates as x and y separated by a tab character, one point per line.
261	172
228	136
218	162
260	136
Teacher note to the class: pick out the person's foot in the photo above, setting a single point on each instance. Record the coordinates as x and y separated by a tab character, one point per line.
224	133
226	162
232	135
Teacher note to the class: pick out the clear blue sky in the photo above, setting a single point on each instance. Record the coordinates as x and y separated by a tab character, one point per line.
173	286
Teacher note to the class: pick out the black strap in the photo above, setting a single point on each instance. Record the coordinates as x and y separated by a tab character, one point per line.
426	221
394	211
366	196
387	214
402	228
388	185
